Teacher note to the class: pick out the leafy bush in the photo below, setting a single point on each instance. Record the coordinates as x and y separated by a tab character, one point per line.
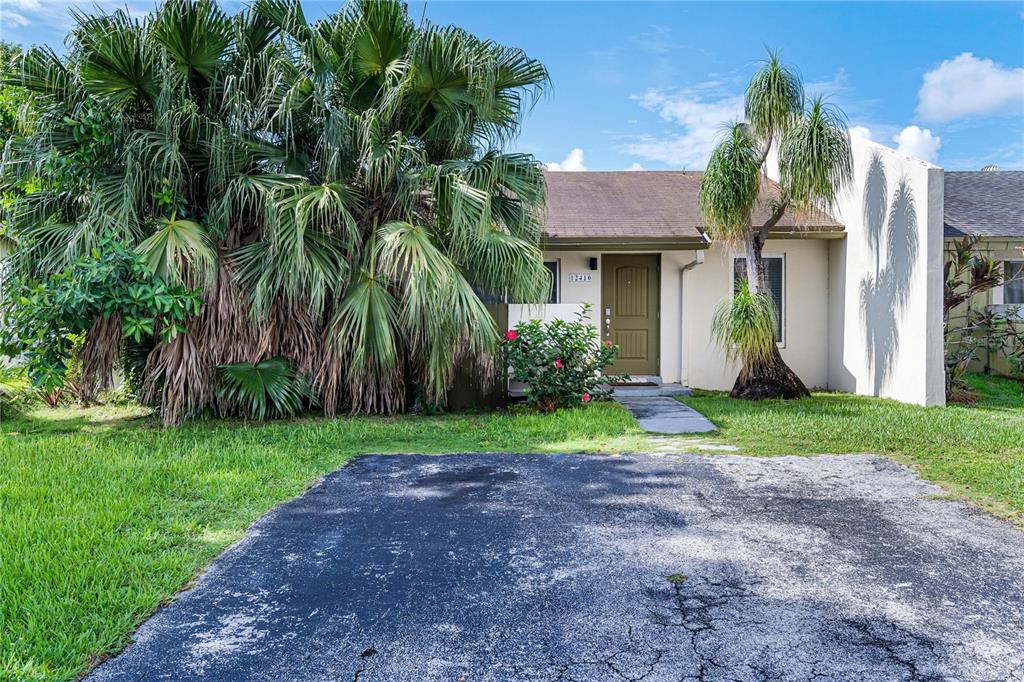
968	328
16	391
271	388
84	312
562	363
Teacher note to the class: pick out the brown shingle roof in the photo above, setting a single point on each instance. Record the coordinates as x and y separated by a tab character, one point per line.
646	205
984	203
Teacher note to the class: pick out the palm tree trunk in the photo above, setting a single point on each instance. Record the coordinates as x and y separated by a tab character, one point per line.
770	377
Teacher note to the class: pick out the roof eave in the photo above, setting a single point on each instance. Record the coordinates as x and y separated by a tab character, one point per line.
625	243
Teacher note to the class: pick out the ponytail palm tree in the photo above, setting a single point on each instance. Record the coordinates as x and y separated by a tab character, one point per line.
814	163
337	189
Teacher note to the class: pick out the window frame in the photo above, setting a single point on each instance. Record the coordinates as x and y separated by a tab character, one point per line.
558	279
783	335
1001	290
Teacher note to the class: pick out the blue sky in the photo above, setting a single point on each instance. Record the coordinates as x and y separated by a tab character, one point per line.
639	84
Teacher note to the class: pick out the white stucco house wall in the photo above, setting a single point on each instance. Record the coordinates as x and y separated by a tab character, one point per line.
860	287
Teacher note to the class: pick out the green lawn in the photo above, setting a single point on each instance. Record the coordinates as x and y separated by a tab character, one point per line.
974	451
103	515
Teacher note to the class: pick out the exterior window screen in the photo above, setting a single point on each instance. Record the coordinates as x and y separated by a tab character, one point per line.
1013	289
774	274
555	295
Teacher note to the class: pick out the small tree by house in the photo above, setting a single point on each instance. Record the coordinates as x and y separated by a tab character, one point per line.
814	163
968	328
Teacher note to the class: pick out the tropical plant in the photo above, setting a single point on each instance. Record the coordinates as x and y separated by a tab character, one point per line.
269	388
745	325
82	314
15	390
561	362
337	189
967	328
814	163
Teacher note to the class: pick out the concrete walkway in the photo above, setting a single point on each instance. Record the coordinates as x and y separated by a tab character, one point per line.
662	414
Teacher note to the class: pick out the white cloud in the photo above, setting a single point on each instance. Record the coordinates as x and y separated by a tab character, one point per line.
572	162
700	119
967	86
634	167
828	89
918	143
860	132
27	5
13	18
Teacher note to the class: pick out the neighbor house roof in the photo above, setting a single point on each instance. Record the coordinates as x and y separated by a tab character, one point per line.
984	203
648	206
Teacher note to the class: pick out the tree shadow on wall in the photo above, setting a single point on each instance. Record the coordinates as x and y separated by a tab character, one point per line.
892	238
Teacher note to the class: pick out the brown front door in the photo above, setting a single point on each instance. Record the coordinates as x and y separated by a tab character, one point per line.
629	311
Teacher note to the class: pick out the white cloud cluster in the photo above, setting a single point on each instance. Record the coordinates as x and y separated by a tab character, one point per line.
860	132
57	14
13	18
918	143
701	121
572	162
968	86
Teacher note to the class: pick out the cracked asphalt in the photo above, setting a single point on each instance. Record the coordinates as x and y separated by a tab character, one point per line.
593	568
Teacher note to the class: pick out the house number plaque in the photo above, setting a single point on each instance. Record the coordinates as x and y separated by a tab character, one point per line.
581	277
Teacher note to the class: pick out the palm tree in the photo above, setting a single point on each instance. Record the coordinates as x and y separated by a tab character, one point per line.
814	163
337	189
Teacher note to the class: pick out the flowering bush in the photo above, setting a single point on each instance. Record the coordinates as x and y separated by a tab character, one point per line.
562	363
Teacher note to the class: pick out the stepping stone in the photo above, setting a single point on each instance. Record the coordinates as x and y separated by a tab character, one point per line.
665	415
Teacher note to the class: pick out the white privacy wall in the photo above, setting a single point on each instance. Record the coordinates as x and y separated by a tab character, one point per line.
885	280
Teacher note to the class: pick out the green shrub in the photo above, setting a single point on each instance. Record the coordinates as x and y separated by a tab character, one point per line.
92	305
271	388
16	391
562	363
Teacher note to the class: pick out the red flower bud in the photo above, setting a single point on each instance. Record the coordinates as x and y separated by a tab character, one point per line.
511	335
558	363
586	397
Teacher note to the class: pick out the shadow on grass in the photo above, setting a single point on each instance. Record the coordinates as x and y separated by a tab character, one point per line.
63	420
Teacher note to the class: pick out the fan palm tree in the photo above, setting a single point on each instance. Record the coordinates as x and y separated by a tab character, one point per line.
814	164
337	189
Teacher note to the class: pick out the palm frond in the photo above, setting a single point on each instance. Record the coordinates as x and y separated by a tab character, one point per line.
116	62
196	33
269	388
816	161
774	100
744	325
180	252
729	188
365	330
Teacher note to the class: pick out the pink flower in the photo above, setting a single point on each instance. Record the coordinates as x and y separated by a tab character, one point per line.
558	363
607	343
511	335
586	397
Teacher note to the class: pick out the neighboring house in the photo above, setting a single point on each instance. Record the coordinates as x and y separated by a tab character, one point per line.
859	291
989	204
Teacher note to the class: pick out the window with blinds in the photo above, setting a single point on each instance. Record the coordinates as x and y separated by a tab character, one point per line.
775	275
1013	289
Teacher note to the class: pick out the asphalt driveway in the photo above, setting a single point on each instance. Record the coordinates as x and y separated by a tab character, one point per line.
564	567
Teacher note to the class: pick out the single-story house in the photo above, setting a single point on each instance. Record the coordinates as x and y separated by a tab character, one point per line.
859	288
989	205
